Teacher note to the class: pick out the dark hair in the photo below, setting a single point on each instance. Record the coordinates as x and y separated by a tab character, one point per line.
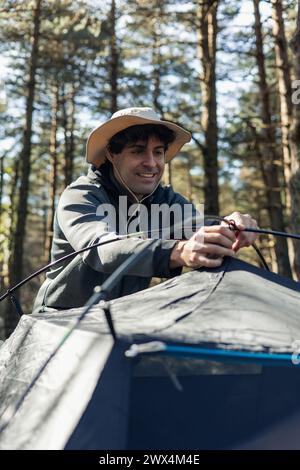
142	132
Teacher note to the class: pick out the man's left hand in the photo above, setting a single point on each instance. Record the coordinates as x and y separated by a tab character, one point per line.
242	221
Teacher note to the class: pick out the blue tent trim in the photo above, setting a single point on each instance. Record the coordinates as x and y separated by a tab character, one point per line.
222	355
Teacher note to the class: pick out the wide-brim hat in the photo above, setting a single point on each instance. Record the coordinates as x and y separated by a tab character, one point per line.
100	136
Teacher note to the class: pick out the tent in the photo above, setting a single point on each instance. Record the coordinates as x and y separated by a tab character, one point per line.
206	360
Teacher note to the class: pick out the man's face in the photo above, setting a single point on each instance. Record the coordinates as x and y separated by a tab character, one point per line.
141	165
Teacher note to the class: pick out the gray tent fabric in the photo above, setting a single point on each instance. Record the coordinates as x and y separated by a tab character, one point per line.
235	306
59	397
91	397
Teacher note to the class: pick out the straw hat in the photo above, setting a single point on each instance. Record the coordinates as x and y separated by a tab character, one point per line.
100	136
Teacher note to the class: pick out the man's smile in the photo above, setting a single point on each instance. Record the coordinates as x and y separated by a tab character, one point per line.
147	175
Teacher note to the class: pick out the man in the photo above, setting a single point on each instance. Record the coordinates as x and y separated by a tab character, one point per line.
128	154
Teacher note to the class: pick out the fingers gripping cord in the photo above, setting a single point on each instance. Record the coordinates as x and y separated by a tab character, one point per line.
232	226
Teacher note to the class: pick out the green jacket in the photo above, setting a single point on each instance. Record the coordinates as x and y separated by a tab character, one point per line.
77	225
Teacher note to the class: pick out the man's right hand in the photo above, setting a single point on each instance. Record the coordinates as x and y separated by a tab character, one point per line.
206	248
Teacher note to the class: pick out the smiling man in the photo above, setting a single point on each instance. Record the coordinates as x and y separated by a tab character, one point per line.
128	154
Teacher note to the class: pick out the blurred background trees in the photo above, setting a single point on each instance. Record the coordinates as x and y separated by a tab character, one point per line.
227	70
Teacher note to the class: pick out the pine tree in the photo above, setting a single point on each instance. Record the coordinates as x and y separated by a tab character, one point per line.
295	145
269	155
16	260
207	28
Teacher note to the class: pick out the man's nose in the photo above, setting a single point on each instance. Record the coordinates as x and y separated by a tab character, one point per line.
149	159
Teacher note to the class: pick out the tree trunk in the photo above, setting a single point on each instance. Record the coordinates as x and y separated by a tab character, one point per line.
285	91
68	121
265	178
1	183
156	74
53	172
16	257
2	241
12	199
286	108
207	37
114	59
156	56
270	167
295	149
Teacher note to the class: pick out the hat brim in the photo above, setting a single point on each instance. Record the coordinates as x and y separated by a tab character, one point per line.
99	137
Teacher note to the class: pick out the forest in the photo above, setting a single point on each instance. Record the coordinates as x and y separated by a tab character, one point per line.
227	70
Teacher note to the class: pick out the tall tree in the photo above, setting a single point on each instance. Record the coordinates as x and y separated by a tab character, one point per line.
283	69
157	69
53	170
207	28
16	261
68	123
158	12
1	182
285	90
114	59
295	141
270	167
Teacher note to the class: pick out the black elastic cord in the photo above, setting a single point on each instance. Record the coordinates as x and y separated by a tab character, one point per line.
11	289
54	263
260	255
207	217
261	231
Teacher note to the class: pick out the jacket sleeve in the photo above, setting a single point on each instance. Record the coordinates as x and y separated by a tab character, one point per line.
78	218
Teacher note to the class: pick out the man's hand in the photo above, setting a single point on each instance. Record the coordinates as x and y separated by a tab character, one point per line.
206	247
210	244
242	221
